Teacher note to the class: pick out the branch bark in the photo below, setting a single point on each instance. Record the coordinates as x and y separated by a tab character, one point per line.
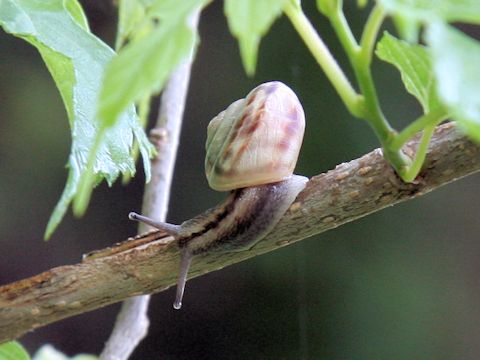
149	263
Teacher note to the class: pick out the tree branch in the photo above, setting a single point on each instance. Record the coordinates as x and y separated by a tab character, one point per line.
149	263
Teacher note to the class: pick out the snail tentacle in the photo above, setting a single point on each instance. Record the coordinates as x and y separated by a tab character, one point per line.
170	229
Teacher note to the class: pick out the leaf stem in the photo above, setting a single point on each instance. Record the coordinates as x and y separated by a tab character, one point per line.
344	33
414	169
434	117
361	62
325	59
370	33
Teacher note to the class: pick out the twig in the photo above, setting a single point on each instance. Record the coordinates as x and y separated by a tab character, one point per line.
348	192
131	325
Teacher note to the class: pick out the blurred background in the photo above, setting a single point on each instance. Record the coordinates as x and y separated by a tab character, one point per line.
399	284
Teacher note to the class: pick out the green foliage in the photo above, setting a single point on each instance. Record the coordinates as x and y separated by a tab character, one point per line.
76	59
429	10
159	37
48	352
456	59
414	64
13	350
410	14
453	57
131	14
142	67
100	88
249	20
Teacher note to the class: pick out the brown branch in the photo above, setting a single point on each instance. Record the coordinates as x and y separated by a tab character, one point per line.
348	192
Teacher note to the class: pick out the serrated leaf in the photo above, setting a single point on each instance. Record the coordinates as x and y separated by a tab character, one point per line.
77	59
456	59
413	62
249	21
48	352
427	10
13	350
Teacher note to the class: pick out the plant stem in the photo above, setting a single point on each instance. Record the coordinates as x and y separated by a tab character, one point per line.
361	62
427	123
369	36
344	33
420	155
433	117
325	59
365	105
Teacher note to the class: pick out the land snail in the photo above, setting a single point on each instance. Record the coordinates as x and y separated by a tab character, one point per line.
252	148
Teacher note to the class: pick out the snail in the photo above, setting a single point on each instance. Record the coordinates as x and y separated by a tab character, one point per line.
251	150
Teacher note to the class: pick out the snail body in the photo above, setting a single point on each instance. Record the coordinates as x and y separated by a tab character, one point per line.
252	148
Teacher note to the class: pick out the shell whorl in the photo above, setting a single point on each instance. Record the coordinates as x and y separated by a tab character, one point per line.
256	140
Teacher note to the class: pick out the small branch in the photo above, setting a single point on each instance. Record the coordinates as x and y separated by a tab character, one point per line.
350	191
132	322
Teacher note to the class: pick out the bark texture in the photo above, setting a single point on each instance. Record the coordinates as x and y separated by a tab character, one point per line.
149	263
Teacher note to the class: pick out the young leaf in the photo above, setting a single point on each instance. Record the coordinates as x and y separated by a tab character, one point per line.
408	29
248	21
77	59
143	66
456	59
413	62
130	15
427	10
13	350
174	11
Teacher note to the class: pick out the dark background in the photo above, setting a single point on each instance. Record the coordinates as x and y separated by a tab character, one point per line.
398	284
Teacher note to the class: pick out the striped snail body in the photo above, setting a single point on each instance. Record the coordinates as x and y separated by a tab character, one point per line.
251	150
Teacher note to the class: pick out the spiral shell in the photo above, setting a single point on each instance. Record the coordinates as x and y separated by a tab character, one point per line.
256	140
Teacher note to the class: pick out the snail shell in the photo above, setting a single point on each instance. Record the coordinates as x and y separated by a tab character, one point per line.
256	140
252	149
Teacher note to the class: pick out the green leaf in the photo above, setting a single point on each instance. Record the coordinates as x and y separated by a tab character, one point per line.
408	29
48	352
142	67
13	350
427	10
131	13
413	62
173	11
248	21
456	59
77	59
76	11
